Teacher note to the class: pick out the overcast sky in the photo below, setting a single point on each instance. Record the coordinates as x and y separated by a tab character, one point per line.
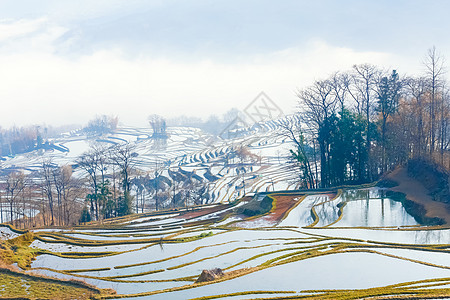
65	61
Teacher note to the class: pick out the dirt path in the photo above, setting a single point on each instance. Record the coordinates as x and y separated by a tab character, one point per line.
415	191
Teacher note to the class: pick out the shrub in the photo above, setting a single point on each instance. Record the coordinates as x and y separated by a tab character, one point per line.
254	207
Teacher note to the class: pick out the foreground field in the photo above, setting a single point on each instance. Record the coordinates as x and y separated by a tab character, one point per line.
304	246
17	285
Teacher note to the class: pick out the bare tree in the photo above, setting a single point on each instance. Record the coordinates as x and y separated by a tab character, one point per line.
159	126
292	130
434	65
124	156
365	81
416	88
47	185
340	83
318	105
155	176
14	186
90	162
68	191
138	182
444	122
1	207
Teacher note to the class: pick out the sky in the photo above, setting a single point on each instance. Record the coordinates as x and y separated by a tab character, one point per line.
66	61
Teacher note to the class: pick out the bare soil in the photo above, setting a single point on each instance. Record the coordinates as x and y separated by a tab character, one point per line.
283	204
416	191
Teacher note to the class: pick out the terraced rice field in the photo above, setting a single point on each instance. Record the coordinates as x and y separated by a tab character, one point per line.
346	244
189	150
328	245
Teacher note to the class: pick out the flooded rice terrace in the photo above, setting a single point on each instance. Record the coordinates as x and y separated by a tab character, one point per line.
319	246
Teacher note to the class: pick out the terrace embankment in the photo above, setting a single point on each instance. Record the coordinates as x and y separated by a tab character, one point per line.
415	191
282	204
208	210
16	284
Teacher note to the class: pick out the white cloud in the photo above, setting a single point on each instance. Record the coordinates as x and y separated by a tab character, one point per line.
39	86
10	29
29	36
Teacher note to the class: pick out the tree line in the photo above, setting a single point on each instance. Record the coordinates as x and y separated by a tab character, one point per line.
103	182
18	140
52	195
356	125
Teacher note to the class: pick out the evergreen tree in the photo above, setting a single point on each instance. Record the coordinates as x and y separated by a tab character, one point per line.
388	96
85	215
125	204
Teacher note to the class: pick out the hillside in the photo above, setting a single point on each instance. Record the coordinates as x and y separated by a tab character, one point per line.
253	159
416	191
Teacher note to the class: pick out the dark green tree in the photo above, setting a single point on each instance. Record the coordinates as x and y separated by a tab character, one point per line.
106	200
388	96
125	204
347	148
301	157
85	215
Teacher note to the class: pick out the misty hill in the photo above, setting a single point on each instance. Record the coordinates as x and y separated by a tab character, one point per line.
240	160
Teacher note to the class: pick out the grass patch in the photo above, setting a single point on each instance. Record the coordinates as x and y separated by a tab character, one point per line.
19	285
17	250
205	234
13	229
194	238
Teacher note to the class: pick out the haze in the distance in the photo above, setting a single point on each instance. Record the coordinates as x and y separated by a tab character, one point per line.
64	62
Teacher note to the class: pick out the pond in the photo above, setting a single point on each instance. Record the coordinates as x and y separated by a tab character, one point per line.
361	208
370	208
